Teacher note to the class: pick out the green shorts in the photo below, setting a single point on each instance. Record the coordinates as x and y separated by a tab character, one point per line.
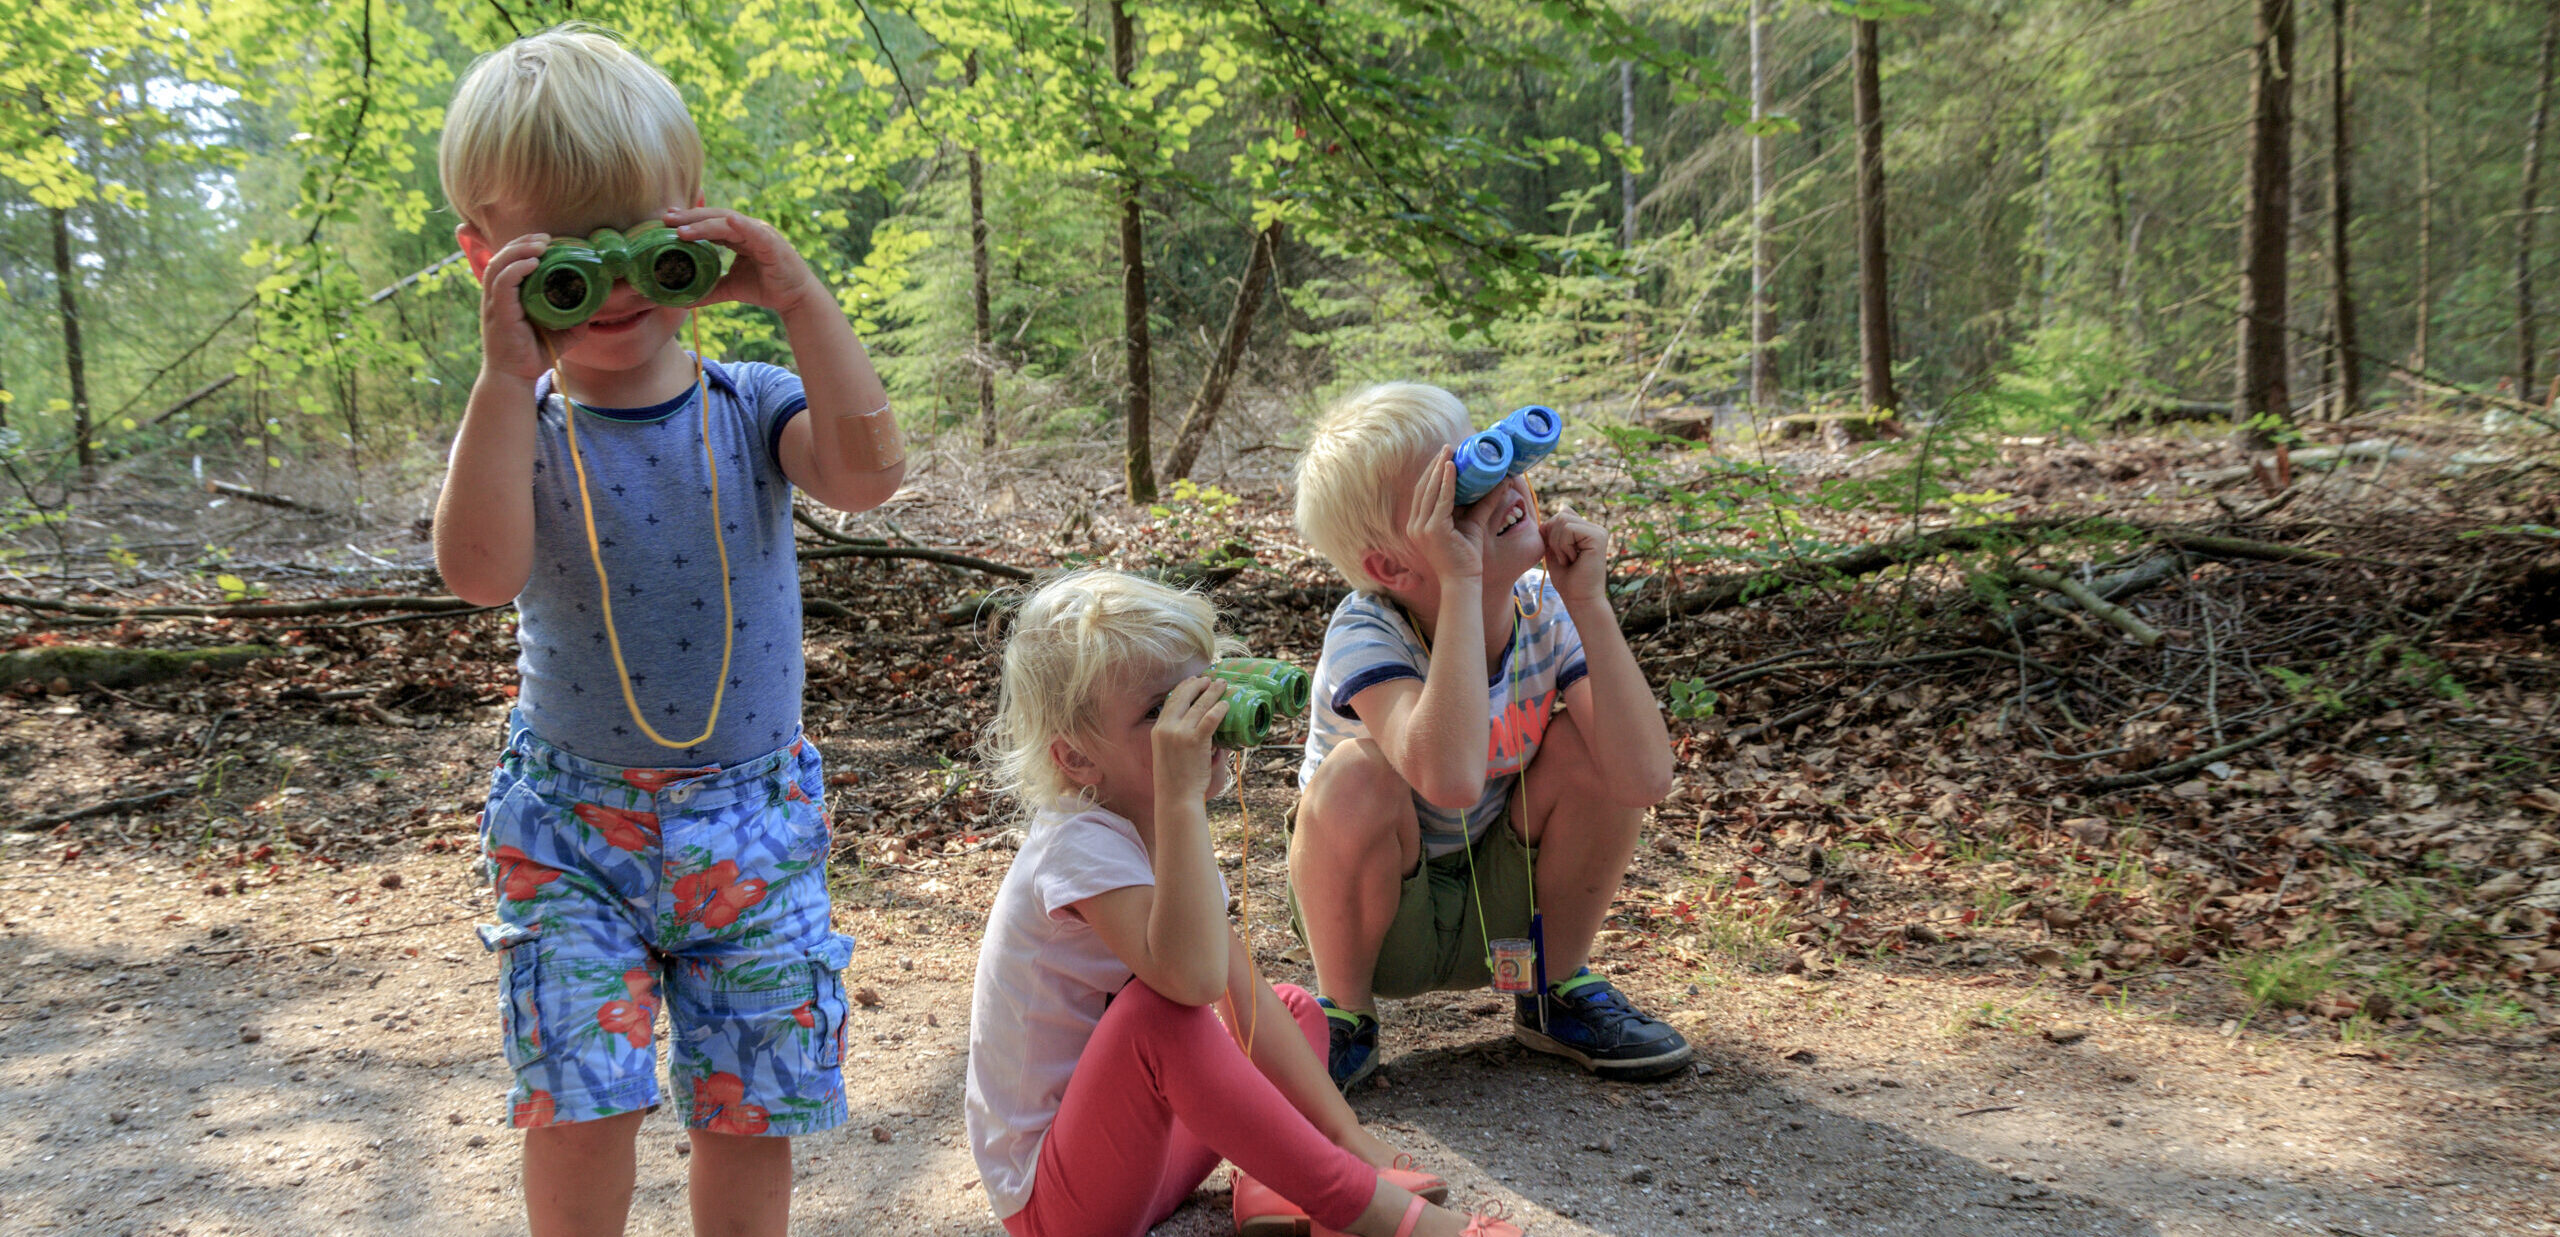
1437	942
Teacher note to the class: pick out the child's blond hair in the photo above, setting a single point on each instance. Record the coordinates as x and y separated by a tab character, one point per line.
1070	637
568	121
1357	463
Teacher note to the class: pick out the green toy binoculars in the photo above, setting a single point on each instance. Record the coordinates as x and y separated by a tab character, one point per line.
1258	688
573	276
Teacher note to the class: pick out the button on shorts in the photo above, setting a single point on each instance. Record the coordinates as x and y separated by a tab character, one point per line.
702	892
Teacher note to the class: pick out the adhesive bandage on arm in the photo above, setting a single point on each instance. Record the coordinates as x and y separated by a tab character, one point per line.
869	442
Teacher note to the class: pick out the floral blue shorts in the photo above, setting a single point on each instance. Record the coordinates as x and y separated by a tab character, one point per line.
704	890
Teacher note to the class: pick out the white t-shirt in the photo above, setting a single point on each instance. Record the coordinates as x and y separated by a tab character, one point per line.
1043	976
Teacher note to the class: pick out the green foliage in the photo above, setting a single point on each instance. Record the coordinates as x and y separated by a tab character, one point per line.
1690	699
240	178
2287	978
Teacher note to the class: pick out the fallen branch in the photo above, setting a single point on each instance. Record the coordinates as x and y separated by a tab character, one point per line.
409	618
1780	666
109	808
2309	457
263	498
1731	591
948	558
116	666
828	534
2241	547
2181	768
2143	633
243	609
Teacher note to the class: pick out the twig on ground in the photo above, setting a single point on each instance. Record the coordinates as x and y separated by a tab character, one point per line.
827	534
132	803
394	619
2242	547
2143	633
948	558
1976	1112
245	609
2181	768
213	729
263	498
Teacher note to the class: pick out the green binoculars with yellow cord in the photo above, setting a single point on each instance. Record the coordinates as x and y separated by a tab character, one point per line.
1259	689
574	275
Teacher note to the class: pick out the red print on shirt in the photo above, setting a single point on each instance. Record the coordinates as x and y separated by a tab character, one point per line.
1517	730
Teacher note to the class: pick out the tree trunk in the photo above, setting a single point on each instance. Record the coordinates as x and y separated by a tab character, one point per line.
2263	385
2344	357
2525	346
1135	349
1626	140
1764	386
2426	181
1222	370
75	361
1875	306
985	355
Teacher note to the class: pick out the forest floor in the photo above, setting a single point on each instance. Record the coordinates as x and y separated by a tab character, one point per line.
1943	977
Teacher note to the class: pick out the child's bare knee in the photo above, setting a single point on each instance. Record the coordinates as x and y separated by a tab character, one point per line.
1356	783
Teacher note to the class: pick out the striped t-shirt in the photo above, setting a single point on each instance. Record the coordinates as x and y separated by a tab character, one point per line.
1370	642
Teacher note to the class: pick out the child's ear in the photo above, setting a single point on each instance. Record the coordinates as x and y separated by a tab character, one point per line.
1388	570
475	248
1077	767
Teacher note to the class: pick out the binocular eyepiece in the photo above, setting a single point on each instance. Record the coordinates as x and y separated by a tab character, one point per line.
570	281
1258	690
1528	435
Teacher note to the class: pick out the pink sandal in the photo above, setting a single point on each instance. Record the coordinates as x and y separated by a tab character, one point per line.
1478	1224
1262	1212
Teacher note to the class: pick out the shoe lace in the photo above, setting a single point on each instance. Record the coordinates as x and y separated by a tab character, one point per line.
1493	1221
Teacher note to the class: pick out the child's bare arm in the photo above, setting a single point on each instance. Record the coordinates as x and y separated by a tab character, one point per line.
1613	703
1173	935
484	517
1435	732
845	451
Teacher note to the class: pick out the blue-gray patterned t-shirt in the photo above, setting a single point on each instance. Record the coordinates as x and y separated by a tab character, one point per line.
1370	641
651	490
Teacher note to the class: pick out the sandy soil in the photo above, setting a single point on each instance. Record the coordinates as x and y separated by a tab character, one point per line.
315	1051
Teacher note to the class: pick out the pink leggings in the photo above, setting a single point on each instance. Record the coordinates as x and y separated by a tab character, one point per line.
1161	1093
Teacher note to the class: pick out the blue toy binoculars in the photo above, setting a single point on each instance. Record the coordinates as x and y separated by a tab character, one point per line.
1515	442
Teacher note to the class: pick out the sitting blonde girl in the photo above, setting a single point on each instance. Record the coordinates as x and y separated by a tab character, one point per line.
1103	1085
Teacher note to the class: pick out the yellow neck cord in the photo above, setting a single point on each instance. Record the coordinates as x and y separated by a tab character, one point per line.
1520	790
595	551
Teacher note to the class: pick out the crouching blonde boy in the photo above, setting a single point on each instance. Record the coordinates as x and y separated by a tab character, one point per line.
1445	798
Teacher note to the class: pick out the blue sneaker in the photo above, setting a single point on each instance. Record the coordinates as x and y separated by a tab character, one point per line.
1591	1023
1352	1054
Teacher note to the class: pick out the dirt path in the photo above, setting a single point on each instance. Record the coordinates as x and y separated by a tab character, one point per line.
179	1062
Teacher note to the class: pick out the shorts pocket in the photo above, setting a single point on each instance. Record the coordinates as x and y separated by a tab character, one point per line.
829	1003
520	1003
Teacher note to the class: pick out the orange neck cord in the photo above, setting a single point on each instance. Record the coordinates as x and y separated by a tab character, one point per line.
1244	911
595	551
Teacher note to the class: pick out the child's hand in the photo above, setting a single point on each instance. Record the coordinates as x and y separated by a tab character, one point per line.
1450	543
1577	557
1185	726
768	272
507	343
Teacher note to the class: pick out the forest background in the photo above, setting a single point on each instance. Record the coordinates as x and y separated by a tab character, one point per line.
2081	480
220	230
